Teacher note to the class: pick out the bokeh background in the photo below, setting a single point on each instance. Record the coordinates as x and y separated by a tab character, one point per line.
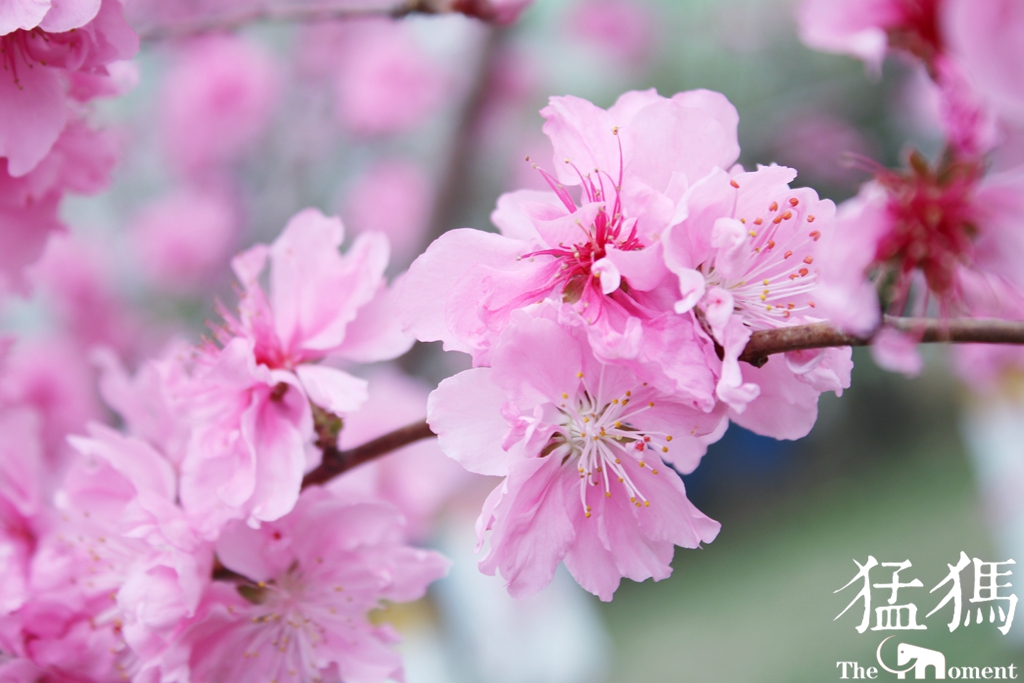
417	127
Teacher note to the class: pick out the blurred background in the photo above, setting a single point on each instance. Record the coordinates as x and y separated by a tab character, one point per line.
416	127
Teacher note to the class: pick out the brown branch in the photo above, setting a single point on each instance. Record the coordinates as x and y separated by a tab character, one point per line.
762	344
205	23
335	461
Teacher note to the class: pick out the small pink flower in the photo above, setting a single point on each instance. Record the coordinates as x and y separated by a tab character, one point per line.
582	447
300	610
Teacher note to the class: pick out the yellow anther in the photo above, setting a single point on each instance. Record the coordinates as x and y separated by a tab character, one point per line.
668	438
664	449
641	463
647	503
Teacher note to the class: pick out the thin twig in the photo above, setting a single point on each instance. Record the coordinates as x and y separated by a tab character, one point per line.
198	25
762	344
335	461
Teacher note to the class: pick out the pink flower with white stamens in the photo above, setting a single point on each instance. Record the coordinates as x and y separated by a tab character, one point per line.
747	258
582	447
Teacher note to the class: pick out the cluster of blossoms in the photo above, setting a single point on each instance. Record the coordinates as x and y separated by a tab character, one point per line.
940	234
184	548
605	323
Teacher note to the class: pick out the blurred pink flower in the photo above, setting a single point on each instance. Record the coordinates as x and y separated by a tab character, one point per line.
52	377
620	29
384	82
394	198
40	63
80	161
582	447
216	101
77	280
926	223
183	239
868	28
987	41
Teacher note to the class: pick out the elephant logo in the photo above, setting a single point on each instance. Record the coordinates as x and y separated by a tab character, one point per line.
922	658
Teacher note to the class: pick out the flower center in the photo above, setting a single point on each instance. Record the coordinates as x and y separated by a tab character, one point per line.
609	229
779	275
22	49
932	223
606	446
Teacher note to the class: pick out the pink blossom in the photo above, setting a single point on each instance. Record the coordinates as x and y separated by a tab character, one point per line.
250	443
251	399
182	239
922	223
41	64
118	530
582	447
393	198
601	259
217	100
300	609
746	254
297	323
867	28
385	83
896	352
